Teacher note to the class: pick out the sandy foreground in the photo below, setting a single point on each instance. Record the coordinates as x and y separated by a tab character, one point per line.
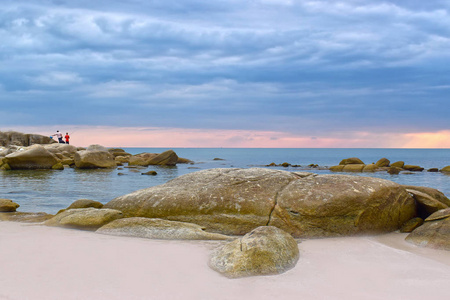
38	262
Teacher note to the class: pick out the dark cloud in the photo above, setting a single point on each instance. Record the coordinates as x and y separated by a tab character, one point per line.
297	66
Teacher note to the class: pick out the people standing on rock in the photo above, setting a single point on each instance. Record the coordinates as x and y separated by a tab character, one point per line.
59	136
67	137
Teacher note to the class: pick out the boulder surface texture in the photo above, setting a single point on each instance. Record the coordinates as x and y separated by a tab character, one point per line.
266	250
84	218
92	159
434	233
235	201
158	229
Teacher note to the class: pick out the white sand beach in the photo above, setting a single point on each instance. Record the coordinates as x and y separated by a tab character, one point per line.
38	262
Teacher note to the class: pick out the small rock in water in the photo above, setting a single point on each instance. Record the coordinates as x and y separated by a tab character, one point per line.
153	173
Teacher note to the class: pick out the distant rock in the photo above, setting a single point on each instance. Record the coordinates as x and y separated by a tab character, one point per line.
383	162
351	161
167	158
445	169
22	139
266	250
413	168
93	159
398	164
158	229
152	173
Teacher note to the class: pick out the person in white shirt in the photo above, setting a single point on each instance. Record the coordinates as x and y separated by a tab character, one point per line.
59	136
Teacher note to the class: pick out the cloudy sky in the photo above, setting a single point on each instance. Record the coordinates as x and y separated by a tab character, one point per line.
234	73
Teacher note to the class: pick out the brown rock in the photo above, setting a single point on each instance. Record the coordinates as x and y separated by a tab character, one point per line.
445	169
351	160
84	218
338	168
85	203
235	201
25	217
434	234
92	159
370	168
426	204
413	168
398	164
384	162
7	205
411	225
266	250
440	214
353	168
394	170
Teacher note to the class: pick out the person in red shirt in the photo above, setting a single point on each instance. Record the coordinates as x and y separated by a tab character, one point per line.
67	137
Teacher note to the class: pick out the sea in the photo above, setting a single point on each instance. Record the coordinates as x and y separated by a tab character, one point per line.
51	190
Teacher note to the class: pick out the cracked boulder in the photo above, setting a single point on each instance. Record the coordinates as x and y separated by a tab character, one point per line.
266	250
235	201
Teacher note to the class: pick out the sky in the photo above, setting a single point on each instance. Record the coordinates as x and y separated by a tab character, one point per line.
234	73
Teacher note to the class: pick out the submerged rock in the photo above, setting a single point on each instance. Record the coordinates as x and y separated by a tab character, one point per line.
235	201
266	250
158	229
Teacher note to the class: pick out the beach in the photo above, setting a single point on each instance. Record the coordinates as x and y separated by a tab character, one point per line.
39	262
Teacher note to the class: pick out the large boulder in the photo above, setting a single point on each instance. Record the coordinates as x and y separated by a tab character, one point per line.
84	218
34	157
266	250
235	201
445	169
93	159
158	229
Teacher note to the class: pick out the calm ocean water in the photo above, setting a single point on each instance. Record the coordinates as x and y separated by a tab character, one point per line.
49	191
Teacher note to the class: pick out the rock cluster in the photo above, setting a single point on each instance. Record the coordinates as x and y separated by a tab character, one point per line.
13	138
235	201
355	164
20	151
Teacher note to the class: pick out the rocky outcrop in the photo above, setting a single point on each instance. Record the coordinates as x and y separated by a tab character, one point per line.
266	250
84	218
34	157
428	200
13	138
158	229
235	201
166	158
434	233
7	205
445	169
93	158
354	164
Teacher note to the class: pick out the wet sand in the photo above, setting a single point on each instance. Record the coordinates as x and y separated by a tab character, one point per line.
38	262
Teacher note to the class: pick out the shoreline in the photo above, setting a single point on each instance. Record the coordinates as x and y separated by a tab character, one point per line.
40	262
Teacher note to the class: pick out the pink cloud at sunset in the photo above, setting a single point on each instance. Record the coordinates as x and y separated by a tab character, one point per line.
209	138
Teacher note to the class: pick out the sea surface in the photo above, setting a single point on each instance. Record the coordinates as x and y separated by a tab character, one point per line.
51	190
